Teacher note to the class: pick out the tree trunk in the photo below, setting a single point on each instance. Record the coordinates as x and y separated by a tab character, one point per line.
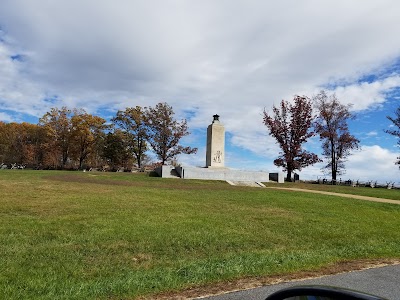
64	161
333	163
334	172
164	156
81	159
289	176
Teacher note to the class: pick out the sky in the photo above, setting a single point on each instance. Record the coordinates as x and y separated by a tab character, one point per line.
232	58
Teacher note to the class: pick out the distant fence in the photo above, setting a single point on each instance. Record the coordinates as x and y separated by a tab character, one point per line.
358	183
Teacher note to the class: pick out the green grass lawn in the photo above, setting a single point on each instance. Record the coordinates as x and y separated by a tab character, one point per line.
75	235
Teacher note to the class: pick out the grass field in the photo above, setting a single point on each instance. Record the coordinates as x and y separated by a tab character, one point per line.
75	235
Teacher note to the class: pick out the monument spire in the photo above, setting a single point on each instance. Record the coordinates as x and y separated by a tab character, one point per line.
215	155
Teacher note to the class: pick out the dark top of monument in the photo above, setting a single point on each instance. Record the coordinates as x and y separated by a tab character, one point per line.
216	117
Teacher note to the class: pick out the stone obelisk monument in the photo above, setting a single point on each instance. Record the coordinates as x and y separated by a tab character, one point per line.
215	144
215	163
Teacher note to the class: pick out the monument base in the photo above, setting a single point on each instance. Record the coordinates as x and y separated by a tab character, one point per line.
216	173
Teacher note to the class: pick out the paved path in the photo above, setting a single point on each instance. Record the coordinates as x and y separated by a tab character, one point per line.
382	200
382	281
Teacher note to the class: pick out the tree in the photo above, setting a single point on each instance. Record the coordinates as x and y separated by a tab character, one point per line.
291	125
165	132
4	143
114	148
85	132
132	124
19	143
58	127
9	150
26	143
331	125
395	132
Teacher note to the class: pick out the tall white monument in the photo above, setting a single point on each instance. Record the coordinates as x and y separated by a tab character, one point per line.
215	162
215	155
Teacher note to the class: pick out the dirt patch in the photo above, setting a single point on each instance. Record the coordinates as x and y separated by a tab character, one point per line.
89	179
249	283
177	184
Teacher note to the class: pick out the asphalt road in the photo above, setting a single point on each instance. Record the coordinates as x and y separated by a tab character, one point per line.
383	282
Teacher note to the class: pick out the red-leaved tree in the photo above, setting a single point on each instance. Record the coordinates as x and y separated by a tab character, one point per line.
290	124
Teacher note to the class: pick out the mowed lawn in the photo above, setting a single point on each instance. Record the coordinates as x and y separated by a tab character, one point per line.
75	235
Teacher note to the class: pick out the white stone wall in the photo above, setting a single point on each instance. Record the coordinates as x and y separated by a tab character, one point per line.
222	174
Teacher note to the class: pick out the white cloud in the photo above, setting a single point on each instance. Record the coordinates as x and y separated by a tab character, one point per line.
258	143
370	163
197	160
364	95
5	117
373	163
195	50
372	133
18	92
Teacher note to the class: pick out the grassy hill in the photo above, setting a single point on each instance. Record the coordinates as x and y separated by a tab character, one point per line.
75	235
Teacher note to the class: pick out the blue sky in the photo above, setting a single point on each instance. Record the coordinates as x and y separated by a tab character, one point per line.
234	58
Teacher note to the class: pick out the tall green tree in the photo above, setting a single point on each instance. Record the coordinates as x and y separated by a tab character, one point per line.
165	132
396	129
115	151
332	126
290	124
133	125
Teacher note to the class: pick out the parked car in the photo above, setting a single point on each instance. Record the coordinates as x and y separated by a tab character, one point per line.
320	293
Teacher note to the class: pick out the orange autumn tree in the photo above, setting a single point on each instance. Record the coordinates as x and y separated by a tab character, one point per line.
58	130
70	136
20	143
87	130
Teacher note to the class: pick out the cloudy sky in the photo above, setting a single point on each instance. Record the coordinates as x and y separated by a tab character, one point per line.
234	58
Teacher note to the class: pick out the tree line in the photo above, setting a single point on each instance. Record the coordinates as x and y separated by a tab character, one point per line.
292	124
74	139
